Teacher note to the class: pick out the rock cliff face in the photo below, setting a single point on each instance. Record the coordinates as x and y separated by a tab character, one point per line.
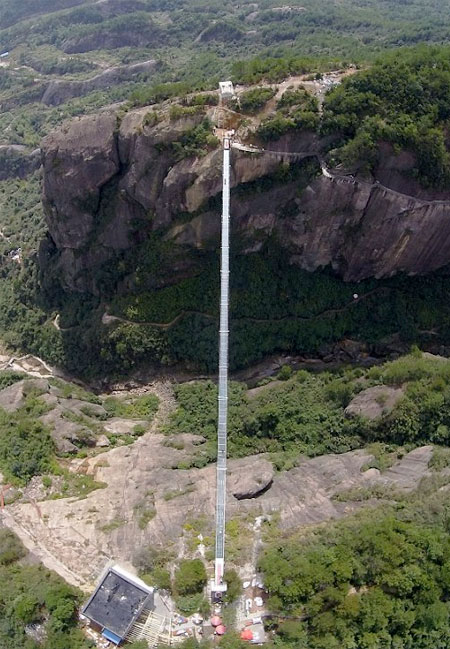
110	183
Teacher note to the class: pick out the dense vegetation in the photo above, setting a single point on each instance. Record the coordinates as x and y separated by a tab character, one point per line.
377	580
275	307
193	41
252	100
38	610
305	414
26	447
403	99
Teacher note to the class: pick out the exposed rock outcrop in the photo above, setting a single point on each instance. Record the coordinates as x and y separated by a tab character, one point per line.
107	522
13	397
107	185
250	477
366	230
72	422
374	402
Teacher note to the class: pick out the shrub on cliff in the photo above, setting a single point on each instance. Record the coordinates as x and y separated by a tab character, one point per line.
403	99
26	447
11	549
254	99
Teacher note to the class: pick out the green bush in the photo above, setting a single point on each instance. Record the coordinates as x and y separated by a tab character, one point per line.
26	446
26	608
195	141
440	459
142	407
162	579
293	97
151	118
252	100
273	128
285	373
11	549
234	585
190	577
178	112
189	604
7	378
205	99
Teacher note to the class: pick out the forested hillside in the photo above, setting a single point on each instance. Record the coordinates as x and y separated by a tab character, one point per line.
404	100
71	42
378	580
37	608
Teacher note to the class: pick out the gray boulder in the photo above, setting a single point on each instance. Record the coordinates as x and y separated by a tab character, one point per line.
13	397
375	402
250	477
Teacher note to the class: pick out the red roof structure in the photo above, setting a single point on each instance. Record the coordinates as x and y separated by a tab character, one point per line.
220	630
216	620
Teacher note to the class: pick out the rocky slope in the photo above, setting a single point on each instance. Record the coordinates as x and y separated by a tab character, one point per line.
109	182
115	502
147	499
17	162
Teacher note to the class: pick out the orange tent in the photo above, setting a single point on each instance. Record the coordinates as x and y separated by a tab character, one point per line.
247	634
216	620
220	630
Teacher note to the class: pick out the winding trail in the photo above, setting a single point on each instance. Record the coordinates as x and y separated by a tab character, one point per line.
107	318
298	155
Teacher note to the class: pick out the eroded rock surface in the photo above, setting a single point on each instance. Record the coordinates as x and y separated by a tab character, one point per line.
408	472
13	397
146	501
73	423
